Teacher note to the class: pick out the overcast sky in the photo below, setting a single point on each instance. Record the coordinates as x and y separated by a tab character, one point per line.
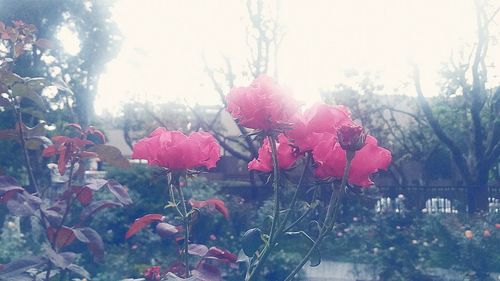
161	58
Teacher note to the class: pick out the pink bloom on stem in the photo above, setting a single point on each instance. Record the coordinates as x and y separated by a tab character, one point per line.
287	155
351	137
319	119
263	105
330	159
176	151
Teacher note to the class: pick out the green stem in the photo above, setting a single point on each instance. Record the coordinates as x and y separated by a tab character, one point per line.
22	139
330	217
185	219
273	234
295	195
53	244
276	182
174	185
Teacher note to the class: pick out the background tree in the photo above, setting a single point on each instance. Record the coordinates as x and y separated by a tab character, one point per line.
398	124
98	41
476	107
263	41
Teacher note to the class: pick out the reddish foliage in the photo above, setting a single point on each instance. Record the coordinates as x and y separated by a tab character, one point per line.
213	202
152	273
61	238
142	222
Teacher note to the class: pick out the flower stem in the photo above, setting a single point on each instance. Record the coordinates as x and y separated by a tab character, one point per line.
273	234
295	195
276	182
174	184
186	231
330	217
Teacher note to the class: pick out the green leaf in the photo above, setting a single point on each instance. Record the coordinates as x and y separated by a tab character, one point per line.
34	143
25	91
36	84
33	112
251	241
300	242
170	205
79	270
9	78
37	131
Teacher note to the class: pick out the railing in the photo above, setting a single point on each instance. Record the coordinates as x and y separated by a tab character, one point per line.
431	199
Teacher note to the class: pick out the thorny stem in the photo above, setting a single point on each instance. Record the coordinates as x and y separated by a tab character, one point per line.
65	215
174	184
185	219
295	195
275	226
276	182
330	217
256	266
297	221
32	178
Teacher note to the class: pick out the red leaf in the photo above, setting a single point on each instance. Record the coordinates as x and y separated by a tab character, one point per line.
84	195
59	139
63	160
75	125
177	268
197	249
18	49
213	202
87	154
43	43
119	192
96	206
95	244
96	184
207	272
142	222
50	150
93	131
165	229
221	254
8	188
65	236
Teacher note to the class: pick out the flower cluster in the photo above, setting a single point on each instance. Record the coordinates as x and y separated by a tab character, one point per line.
264	105
287	155
175	151
325	131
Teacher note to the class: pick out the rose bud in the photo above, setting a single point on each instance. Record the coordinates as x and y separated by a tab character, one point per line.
351	137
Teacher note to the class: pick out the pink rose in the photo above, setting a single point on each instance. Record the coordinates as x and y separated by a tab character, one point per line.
287	155
320	118
176	151
330	159
263	105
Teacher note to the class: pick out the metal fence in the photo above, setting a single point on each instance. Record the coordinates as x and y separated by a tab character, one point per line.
431	199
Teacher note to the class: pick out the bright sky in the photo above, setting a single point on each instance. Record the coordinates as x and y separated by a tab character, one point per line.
161	58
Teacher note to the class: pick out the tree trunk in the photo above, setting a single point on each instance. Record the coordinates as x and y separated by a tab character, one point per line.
477	195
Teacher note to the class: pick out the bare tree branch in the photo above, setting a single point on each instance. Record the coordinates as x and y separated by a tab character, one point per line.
457	153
